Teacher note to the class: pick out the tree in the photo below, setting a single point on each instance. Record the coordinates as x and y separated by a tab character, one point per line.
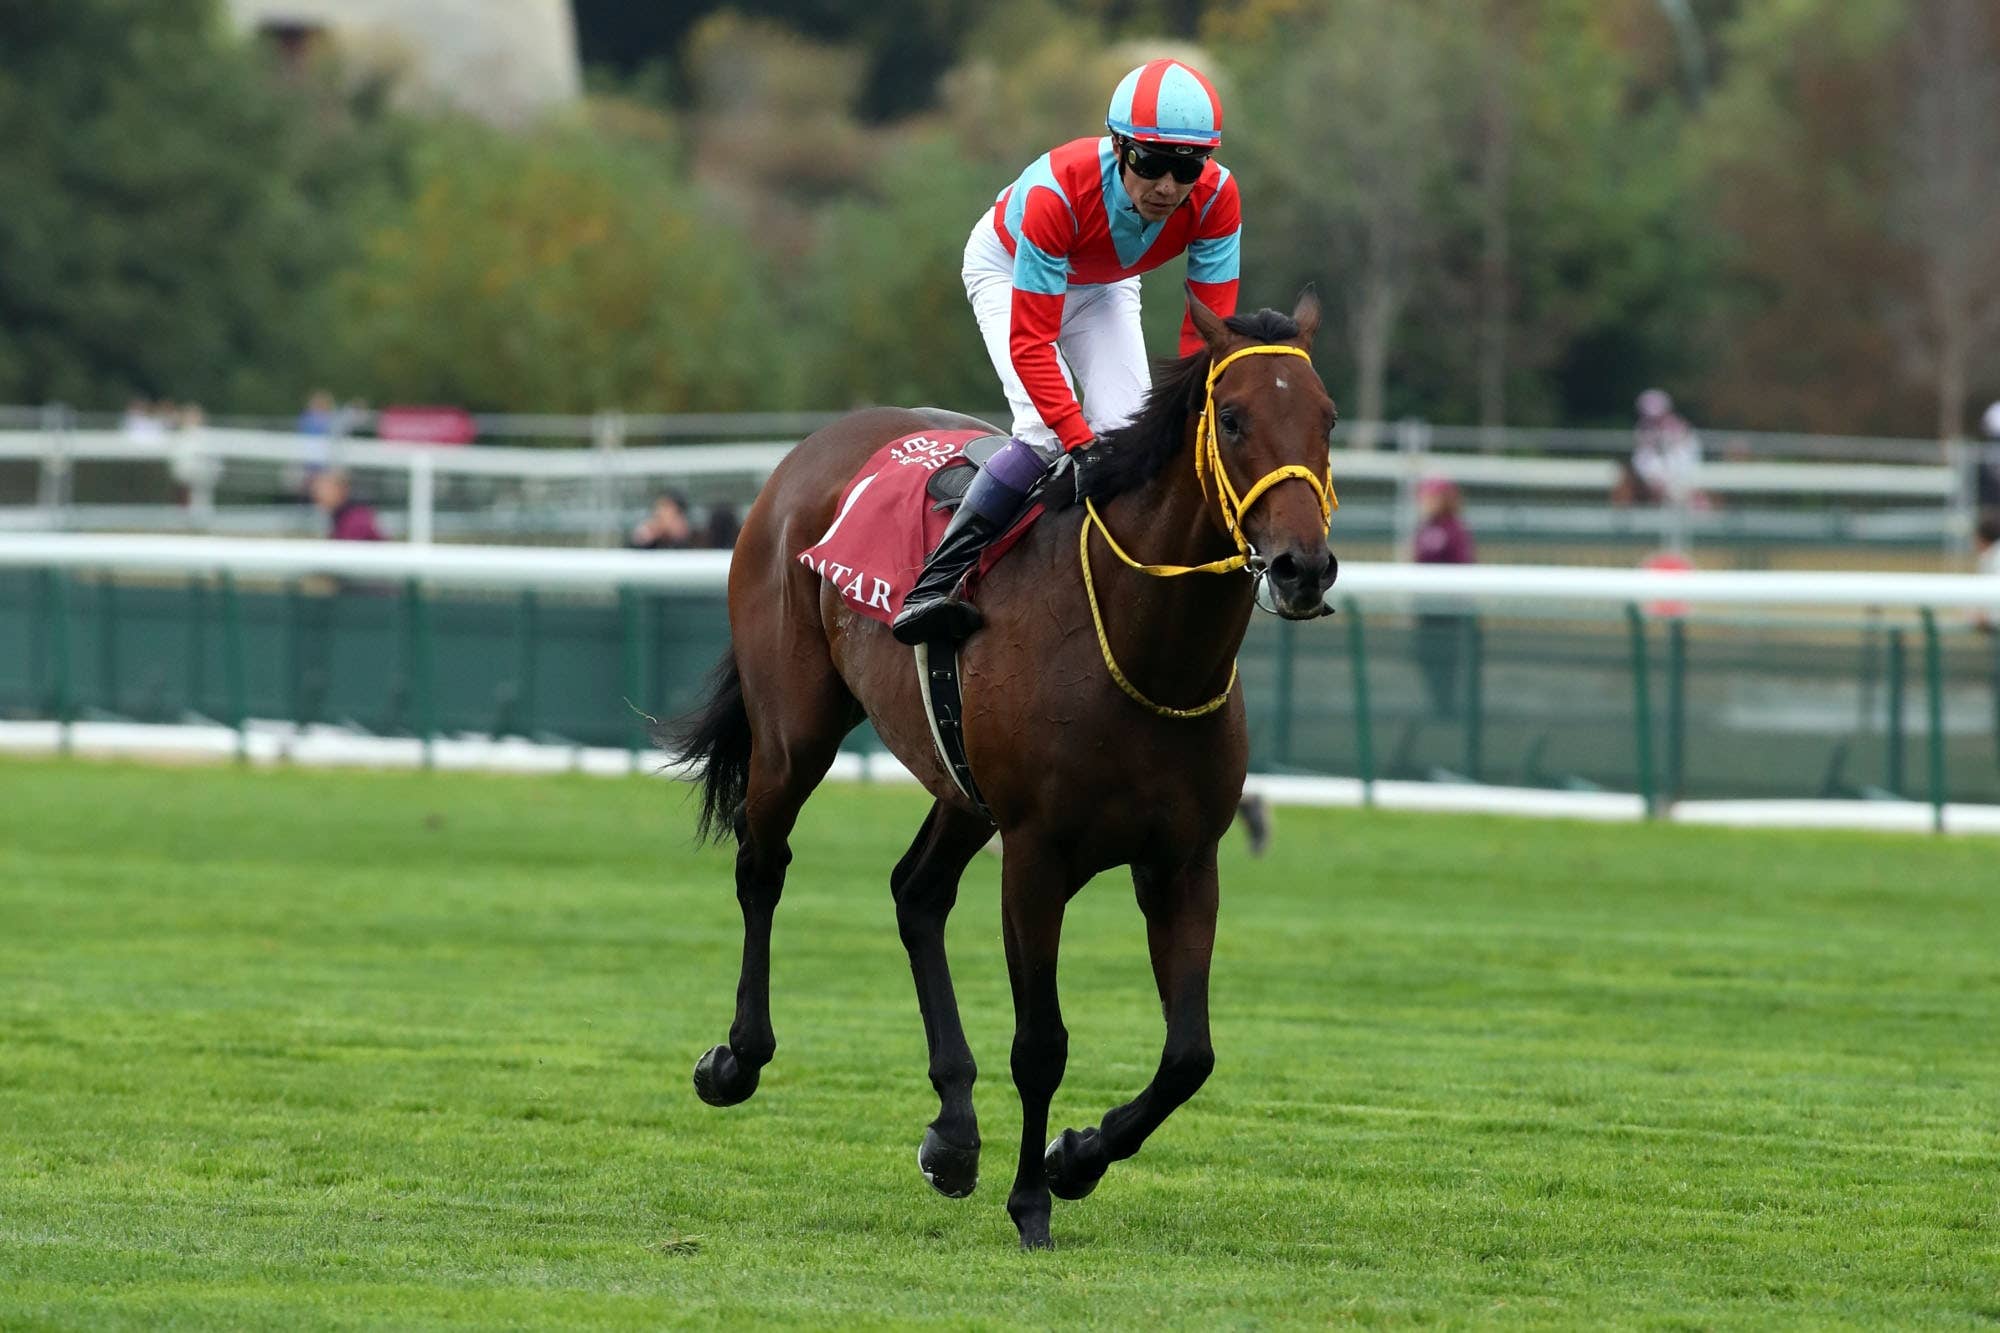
1344	173
567	271
1947	196
1796	149
885	317
170	211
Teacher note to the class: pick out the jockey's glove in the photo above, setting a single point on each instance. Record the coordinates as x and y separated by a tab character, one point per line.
1075	476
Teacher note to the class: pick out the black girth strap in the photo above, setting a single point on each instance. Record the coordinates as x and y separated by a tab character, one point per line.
937	676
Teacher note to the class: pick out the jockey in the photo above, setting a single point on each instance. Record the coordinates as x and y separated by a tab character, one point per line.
1052	270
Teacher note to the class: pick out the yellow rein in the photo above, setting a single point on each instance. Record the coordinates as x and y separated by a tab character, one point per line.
1207	459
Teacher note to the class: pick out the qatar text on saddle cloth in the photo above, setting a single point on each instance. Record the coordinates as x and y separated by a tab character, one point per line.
886	524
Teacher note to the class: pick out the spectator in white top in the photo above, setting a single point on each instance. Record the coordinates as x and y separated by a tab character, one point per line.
1989	460
144	421
1666	453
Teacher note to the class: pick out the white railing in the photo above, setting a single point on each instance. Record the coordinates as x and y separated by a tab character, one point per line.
757	459
695	571
1941	603
588	492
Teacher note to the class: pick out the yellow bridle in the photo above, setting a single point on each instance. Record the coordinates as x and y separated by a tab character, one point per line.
1207	459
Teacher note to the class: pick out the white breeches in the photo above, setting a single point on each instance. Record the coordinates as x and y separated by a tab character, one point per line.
1101	349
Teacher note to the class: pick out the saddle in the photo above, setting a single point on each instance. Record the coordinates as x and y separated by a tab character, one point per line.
948	484
894	511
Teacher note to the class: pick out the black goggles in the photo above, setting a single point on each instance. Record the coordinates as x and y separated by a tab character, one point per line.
1185	167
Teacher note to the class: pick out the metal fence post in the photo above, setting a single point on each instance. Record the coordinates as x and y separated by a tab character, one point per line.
423	497
1475	695
235	688
530	631
1893	778
1676	708
1413	442
197	643
417	659
1282	717
52	486
61	695
1962	505
295	654
1364	725
632	665
107	641
1934	707
1642	708
1994	673
607	438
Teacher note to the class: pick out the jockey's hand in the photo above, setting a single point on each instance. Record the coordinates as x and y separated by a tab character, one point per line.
1074	476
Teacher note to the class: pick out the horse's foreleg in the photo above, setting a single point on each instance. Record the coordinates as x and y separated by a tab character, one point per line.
781	777
925	886
1032	895
1180	929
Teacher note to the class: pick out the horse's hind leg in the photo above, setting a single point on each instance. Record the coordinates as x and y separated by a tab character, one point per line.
1180	930
796	733
925	885
1034	888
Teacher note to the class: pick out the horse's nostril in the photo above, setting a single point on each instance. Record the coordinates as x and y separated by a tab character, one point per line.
1285	568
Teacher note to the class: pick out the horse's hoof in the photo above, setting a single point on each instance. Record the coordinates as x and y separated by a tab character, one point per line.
720	1081
1074	1163
1032	1222
952	1171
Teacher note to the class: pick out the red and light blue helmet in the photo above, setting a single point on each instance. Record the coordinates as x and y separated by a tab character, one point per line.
1169	103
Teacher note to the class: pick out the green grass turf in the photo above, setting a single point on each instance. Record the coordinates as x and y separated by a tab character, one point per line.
295	1049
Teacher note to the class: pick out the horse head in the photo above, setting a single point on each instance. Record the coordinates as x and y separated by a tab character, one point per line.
1263	429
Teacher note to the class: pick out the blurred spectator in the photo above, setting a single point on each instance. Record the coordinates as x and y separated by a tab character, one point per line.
666	528
318	417
319	423
348	519
143	421
1666	454
1442	539
723	525
186	464
1989	460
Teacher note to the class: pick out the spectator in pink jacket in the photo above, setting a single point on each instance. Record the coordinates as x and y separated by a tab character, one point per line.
348	519
1442	539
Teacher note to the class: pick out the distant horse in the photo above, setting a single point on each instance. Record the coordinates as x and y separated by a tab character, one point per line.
1103	721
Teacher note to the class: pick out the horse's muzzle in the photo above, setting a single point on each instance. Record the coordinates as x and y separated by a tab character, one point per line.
1299	581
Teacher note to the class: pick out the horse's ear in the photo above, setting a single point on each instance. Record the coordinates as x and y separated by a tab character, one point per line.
1306	315
1206	322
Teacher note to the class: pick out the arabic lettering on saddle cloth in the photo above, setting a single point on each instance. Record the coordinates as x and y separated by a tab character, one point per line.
886	525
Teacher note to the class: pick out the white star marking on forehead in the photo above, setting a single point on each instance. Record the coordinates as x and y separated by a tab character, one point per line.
1281	383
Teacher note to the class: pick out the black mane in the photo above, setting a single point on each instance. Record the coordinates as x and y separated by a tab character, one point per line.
1136	451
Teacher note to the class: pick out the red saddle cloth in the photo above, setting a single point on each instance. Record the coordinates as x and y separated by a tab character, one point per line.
886	524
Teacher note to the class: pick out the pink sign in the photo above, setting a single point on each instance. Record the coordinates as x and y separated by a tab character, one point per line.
425	425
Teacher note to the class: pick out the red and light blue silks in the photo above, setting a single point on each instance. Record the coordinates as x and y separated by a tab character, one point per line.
1068	222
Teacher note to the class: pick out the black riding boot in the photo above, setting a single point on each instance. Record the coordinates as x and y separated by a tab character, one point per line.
933	611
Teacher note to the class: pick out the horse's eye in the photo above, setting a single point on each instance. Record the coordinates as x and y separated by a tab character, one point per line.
1231	424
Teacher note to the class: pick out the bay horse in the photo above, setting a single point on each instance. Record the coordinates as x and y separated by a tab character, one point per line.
1077	774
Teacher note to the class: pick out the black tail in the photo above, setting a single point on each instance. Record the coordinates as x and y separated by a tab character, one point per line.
714	741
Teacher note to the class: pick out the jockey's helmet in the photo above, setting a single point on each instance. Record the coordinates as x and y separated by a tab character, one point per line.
1169	105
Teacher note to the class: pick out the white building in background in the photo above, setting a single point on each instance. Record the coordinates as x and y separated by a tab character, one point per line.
506	61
